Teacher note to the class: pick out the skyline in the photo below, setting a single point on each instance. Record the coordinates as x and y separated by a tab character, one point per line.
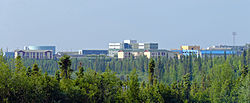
93	24
64	50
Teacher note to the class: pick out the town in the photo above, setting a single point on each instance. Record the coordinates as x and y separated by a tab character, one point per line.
127	49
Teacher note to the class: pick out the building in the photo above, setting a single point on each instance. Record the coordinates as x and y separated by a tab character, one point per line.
215	53
148	53
115	45
158	53
74	54
34	54
186	47
190	52
150	46
130	45
130	53
53	48
227	47
211	51
113	52
130	41
93	52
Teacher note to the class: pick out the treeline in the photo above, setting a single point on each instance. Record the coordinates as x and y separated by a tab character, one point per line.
185	79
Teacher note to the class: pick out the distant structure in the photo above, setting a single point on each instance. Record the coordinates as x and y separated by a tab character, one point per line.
93	52
187	47
214	51
83	53
148	53
74	54
53	48
234	34
130	45
34	54
131	48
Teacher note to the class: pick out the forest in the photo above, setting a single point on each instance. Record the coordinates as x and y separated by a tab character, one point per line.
188	79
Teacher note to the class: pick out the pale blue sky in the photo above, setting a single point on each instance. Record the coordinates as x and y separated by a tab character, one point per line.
81	24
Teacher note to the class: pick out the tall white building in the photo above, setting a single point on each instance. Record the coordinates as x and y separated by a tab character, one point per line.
130	41
130	45
115	45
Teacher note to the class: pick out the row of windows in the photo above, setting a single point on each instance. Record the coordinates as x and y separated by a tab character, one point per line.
159	54
41	55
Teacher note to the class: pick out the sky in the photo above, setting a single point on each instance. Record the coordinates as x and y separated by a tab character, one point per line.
92	24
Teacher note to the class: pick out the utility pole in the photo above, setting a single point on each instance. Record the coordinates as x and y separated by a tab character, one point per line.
234	34
234	48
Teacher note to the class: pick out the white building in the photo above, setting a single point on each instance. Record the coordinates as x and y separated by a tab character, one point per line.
130	41
130	45
148	53
115	45
141	46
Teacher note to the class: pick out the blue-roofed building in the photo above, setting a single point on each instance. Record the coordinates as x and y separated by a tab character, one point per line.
93	52
218	52
213	51
190	52
206	52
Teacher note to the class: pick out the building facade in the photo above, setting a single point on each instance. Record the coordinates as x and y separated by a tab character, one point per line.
227	47
93	52
148	53
130	45
115	45
53	48
186	47
211	51
150	46
34	54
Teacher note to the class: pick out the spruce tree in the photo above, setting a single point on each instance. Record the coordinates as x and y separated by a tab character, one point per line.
151	69
35	69
64	65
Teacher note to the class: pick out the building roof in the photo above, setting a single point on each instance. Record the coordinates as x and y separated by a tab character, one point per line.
143	50
33	50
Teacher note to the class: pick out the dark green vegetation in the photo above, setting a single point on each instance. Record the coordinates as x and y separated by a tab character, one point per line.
188	79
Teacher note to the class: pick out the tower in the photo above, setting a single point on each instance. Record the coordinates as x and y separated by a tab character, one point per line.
234	34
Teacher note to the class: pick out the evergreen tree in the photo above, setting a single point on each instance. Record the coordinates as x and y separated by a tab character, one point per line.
28	71
35	69
64	65
151	69
133	84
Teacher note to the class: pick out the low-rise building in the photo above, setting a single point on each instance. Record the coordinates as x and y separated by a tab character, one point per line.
34	54
74	54
130	53
130	45
150	46
188	47
227	47
93	52
148	53
212	51
53	48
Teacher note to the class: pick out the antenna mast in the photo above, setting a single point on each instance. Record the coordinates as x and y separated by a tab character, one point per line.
234	34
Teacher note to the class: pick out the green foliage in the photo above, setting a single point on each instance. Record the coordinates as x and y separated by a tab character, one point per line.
133	80
151	70
133	87
64	65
